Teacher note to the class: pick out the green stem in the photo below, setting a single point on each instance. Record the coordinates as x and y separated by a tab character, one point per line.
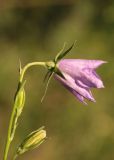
29	65
9	139
15	157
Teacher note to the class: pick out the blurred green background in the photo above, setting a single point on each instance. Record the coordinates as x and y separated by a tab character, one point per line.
35	31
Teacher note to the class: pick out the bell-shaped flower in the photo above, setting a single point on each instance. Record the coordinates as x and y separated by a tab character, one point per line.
79	76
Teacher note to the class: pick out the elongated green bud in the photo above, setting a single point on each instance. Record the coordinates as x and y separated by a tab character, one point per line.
20	98
32	141
20	101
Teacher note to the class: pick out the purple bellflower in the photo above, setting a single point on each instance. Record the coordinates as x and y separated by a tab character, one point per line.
80	77
77	75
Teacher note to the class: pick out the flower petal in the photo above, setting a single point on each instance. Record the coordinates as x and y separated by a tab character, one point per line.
79	97
91	79
70	84
69	64
83	71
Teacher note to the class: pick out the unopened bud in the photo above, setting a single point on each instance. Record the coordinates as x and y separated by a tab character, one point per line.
32	141
20	99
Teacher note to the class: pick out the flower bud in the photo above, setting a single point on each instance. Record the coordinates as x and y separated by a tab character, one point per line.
32	141
20	99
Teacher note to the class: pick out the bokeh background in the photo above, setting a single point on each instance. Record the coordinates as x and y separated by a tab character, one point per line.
35	31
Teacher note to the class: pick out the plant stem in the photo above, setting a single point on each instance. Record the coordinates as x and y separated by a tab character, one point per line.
29	65
8	141
9	138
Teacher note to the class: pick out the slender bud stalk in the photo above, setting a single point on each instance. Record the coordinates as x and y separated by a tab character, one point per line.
28	66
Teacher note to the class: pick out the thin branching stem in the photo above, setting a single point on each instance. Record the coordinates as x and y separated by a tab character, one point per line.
9	138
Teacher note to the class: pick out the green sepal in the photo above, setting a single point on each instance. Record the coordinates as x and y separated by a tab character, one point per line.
48	76
61	54
58	72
